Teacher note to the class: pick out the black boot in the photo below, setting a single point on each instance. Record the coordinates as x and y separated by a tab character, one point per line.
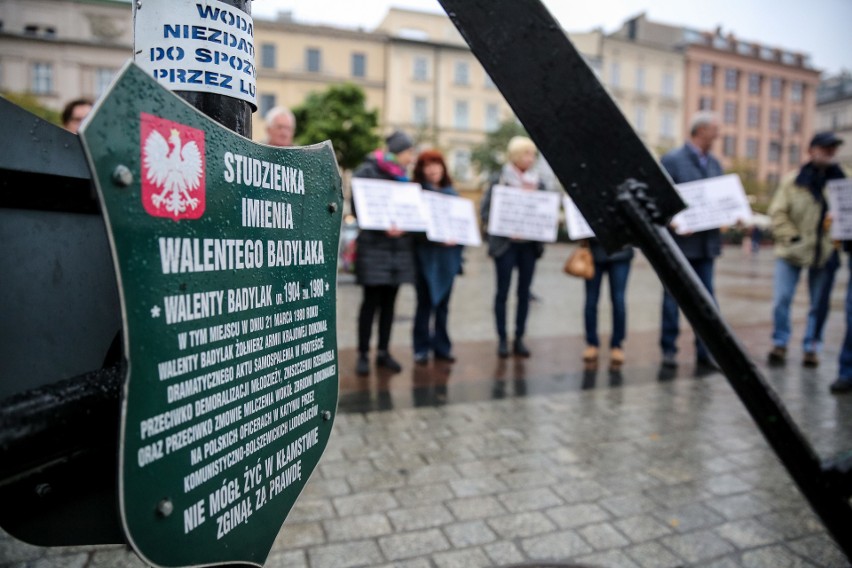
362	367
521	349
383	359
503	349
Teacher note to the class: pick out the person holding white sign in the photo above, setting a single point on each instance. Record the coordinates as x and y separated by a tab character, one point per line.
800	226
510	253
693	161
384	259
437	265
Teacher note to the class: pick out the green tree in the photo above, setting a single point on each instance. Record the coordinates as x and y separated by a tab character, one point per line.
758	193
31	104
490	155
339	114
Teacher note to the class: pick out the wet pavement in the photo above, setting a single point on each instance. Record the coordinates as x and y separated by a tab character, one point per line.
491	462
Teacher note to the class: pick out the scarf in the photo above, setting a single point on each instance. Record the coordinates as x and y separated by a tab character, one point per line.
386	162
814	178
510	175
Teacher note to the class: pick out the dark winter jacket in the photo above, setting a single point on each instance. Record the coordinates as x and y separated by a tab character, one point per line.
682	166
380	259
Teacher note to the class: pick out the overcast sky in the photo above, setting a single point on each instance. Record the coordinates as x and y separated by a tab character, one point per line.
820	28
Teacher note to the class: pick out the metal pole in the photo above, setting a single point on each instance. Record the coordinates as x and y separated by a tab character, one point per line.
825	493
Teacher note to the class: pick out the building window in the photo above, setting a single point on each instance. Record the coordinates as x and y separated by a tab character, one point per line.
615	74
42	78
267	103
705	103
730	112
420	112
359	65
729	146
774	152
461	164
640	79
776	86
461	73
640	122
667	125
795	154
707	74
774	120
267	55
752	148
489	83
461	115
421	69
753	116
796	122
732	79
668	85
103	79
313	60
754	83
797	91
492	117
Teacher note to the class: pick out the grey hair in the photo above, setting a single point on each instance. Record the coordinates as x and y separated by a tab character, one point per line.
275	112
702	118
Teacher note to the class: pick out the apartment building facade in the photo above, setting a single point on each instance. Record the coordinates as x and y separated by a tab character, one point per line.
58	50
644	79
765	97
834	112
293	60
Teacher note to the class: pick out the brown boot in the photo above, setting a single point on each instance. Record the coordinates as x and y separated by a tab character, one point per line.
590	353
616	358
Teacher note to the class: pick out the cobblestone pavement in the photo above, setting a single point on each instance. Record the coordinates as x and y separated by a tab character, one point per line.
484	463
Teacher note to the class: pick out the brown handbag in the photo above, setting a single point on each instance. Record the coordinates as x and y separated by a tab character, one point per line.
580	263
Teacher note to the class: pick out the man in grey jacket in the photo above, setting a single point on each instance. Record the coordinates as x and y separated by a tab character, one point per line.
692	162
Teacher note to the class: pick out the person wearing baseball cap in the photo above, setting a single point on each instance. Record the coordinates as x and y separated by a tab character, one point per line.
800	225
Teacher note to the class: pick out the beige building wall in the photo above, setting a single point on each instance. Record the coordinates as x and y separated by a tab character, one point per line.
774	139
286	51
58	50
646	82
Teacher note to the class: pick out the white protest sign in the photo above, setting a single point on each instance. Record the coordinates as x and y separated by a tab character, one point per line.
578	227
203	45
383	204
450	219
711	203
840	203
523	214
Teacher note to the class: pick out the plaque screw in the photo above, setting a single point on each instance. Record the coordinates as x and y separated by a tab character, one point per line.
138	4
326	415
43	489
165	508
122	176
332	207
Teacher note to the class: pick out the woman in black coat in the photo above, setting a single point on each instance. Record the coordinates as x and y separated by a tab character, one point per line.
384	259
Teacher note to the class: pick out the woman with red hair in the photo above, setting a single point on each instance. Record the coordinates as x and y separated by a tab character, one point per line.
437	266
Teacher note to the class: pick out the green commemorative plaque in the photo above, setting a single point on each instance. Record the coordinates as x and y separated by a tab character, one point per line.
226	255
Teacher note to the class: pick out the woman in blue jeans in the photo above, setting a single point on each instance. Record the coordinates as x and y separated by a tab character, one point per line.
617	265
510	253
437	266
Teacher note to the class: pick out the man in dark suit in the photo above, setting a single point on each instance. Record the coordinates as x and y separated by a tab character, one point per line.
693	161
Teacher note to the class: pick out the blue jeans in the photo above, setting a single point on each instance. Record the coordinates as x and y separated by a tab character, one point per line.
845	373
785	283
824	301
424	340
703	267
618	272
523	256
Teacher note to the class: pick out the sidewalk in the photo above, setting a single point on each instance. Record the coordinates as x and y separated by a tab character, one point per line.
490	463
